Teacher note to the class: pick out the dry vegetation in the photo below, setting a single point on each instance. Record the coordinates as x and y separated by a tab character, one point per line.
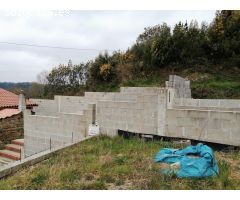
117	163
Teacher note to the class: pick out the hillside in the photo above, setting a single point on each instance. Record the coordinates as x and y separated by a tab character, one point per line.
12	86
117	163
207	54
206	82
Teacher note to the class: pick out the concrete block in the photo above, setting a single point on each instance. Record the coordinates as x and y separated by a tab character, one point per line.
222	115
187	121
174	131
193	132
214	124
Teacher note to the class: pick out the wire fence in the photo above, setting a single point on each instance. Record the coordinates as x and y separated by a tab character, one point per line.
49	147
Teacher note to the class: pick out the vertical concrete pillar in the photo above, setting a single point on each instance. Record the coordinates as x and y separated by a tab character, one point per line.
90	114
21	102
161	114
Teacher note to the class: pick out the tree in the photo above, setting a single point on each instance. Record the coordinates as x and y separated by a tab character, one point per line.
161	47
36	90
42	77
224	35
67	80
59	81
150	32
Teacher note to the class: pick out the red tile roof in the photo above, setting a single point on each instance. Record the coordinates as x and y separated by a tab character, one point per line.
8	112
10	100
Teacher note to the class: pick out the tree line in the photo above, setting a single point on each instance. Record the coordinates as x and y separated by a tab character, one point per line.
159	47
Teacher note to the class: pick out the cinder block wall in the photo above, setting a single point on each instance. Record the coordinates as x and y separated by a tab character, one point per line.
46	107
211	120
181	86
139	110
44	132
207	104
205	125
168	111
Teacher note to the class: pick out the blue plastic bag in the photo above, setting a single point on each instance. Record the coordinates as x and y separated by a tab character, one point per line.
204	165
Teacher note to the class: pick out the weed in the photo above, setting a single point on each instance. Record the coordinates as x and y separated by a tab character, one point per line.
40	177
119	182
69	175
97	185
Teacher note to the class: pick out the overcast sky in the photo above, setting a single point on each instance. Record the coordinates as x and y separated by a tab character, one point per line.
112	30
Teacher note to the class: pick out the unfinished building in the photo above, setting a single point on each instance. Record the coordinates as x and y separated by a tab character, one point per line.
168	111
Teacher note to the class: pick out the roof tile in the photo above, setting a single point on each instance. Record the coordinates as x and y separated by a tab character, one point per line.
10	100
8	112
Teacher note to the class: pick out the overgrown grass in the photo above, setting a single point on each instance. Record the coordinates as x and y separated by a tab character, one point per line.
206	82
117	163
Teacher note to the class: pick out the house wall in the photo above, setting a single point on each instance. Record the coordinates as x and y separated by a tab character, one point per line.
11	128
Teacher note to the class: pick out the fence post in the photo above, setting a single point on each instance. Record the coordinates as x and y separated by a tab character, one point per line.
50	144
72	137
20	154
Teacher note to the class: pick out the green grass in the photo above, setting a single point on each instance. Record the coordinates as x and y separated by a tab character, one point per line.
117	163
207	83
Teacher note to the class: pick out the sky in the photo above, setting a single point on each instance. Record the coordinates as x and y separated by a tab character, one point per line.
91	31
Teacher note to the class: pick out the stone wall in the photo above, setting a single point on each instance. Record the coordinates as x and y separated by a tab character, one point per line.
11	128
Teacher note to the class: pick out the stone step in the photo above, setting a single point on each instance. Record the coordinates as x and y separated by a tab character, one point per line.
13	147
10	154
18	142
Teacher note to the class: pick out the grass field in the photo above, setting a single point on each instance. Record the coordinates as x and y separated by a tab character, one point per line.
117	163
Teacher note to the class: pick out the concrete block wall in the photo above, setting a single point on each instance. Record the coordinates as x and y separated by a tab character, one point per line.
207	104
68	104
167	111
205	125
44	132
141	90
95	96
61	120
181	86
212	120
46	107
139	110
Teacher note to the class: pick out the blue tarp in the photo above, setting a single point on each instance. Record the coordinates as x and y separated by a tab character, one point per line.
204	165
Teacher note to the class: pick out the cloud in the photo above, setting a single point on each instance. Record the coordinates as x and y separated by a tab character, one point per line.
115	30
